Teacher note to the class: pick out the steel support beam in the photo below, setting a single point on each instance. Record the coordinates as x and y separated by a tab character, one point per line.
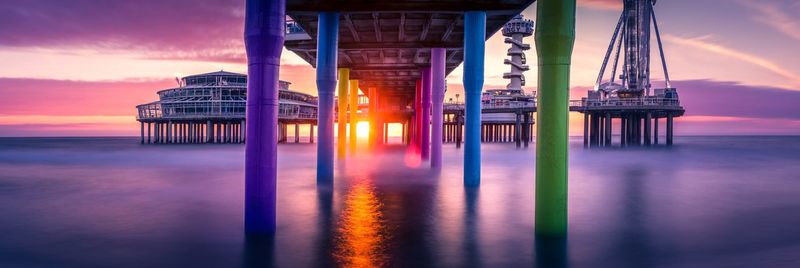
141	133
648	133
608	130
474	51
327	39
586	130
264	36
555	37
655	130
669	129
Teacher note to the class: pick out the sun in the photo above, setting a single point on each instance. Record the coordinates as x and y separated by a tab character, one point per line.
362	129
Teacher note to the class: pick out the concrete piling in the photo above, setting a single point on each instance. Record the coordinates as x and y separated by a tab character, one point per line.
555	37
474	50
264	36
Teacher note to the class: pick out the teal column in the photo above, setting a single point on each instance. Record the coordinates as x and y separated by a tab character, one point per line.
327	46
555	35
474	48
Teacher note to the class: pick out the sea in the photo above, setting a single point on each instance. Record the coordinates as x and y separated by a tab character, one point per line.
707	201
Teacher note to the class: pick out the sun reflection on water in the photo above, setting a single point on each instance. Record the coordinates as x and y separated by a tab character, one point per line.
361	233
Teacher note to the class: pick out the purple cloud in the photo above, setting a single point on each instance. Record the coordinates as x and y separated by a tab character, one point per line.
715	98
187	27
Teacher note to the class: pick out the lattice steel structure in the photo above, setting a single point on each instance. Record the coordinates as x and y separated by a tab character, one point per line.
631	98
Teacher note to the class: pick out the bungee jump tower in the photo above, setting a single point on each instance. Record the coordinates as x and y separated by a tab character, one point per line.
514	31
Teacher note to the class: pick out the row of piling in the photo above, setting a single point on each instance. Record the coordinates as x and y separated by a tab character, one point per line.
192	132
283	135
635	128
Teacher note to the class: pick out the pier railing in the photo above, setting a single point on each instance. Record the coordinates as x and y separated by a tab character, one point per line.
491	106
224	110
666	102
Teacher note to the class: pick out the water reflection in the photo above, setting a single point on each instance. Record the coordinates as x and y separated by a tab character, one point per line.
361	234
324	224
634	239
471	230
551	251
692	206
259	251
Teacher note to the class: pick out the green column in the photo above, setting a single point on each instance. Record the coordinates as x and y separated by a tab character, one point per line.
555	35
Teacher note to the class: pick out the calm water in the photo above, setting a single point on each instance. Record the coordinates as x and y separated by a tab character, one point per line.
110	202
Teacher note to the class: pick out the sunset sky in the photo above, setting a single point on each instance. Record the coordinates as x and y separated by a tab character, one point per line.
78	67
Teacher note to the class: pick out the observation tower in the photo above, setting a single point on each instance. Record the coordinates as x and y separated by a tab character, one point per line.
504	117
514	31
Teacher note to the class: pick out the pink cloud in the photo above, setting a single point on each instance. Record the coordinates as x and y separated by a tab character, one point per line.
601	4
64	97
731	99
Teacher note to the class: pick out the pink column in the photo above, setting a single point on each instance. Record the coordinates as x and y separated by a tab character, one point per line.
426	114
418	116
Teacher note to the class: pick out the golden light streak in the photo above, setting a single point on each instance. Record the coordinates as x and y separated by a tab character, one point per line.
361	236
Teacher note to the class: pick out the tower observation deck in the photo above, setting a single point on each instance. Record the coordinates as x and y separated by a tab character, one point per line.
514	31
632	97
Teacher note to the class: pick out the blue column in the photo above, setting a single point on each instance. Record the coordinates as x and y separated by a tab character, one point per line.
263	37
327	45
474	47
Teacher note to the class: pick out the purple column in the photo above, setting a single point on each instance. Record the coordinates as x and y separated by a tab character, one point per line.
426	113
437	98
263	37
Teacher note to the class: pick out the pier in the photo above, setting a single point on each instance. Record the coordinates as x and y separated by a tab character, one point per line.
210	108
387	64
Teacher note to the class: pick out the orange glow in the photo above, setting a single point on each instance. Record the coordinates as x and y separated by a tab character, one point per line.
362	129
361	231
412	158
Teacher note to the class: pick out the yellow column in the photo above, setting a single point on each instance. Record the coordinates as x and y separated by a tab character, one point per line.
341	140
353	109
